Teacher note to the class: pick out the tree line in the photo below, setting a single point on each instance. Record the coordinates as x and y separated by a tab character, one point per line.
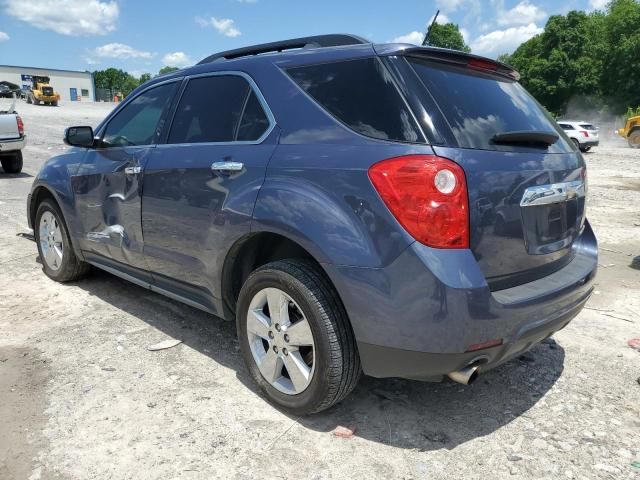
120	82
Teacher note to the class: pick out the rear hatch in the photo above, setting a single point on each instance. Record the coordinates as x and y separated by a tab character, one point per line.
525	181
8	126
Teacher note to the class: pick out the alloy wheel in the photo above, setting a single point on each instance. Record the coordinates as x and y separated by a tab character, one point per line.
281	341
51	240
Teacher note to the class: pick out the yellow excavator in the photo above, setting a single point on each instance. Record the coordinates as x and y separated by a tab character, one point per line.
631	131
42	92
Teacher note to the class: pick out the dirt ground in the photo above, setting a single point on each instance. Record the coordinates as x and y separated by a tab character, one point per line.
81	397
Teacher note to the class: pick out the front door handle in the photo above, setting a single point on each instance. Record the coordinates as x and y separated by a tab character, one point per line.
227	166
132	170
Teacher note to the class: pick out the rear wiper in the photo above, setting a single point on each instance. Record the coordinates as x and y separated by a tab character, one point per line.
531	137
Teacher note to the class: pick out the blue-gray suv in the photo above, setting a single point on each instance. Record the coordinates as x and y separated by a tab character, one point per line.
395	210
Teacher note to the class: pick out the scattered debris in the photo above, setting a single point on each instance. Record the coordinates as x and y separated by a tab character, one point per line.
634	343
108	369
636	464
344	432
172	342
514	458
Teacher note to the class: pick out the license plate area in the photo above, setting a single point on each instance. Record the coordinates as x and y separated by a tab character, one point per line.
552	216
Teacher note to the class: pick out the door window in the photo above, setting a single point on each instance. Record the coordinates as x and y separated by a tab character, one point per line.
140	121
219	108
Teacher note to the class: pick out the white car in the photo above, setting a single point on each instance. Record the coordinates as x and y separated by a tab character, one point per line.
12	139
583	134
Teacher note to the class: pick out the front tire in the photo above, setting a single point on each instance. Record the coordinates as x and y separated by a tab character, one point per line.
59	261
295	337
12	163
634	138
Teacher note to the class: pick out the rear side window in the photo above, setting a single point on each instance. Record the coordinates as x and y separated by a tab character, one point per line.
565	126
361	94
220	108
587	126
478	106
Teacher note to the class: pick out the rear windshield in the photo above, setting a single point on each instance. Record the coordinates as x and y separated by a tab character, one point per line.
478	106
361	94
587	126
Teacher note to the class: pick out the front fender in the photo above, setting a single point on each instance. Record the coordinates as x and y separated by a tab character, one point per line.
55	177
331	222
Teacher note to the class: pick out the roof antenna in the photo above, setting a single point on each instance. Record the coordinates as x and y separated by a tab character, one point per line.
426	37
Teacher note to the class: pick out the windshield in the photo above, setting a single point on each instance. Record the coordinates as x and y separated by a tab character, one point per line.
479	106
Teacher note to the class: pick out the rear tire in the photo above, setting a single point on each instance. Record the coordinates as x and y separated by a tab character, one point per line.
29	99
12	163
328	349
634	138
576	143
59	261
55	104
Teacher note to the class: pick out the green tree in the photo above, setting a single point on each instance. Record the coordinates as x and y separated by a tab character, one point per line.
447	36
621	72
144	78
167	69
112	79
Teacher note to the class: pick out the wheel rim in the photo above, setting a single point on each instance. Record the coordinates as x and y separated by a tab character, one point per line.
634	140
281	341
51	243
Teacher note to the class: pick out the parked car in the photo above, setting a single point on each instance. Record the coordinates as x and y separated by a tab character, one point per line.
12	139
583	134
333	198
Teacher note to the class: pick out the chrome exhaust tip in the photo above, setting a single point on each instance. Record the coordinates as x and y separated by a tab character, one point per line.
466	375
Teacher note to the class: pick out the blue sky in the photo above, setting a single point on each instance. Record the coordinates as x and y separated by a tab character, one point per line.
143	35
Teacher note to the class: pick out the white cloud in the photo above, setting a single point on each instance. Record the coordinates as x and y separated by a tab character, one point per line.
67	17
411	37
417	37
119	50
224	26
449	5
176	59
598	4
524	13
504	41
4	37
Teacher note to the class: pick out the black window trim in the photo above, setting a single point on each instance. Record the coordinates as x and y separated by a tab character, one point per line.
252	87
103	127
420	141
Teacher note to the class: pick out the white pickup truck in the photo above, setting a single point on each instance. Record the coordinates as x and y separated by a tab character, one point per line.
12	139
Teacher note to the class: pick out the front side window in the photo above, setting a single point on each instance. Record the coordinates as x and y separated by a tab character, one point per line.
219	108
361	94
139	121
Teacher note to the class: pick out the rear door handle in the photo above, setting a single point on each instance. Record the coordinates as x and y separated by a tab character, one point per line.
227	166
132	170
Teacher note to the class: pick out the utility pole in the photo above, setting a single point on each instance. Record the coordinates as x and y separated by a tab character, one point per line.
426	37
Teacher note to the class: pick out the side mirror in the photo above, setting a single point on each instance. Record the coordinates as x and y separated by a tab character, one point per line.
79	137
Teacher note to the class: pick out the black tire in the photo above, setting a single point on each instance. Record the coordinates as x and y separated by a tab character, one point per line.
55	104
634	138
337	364
29	99
12	163
71	267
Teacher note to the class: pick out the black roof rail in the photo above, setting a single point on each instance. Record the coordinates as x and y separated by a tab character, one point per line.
332	40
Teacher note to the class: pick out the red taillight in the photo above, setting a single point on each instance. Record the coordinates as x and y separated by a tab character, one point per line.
428	196
480	64
584	132
20	125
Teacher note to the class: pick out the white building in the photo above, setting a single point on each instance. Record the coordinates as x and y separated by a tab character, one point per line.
71	85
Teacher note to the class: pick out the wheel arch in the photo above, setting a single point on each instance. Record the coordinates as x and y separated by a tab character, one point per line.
253	251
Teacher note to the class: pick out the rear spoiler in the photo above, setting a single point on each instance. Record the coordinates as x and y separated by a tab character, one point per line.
445	55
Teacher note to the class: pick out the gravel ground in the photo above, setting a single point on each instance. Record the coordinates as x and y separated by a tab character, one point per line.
81	397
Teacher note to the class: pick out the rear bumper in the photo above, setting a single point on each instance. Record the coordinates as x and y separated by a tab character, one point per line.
13	144
417	317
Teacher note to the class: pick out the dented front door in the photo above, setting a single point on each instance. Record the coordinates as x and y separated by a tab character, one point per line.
108	198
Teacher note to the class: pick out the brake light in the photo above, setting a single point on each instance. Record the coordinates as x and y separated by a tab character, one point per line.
480	64
584	132
427	194
20	125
